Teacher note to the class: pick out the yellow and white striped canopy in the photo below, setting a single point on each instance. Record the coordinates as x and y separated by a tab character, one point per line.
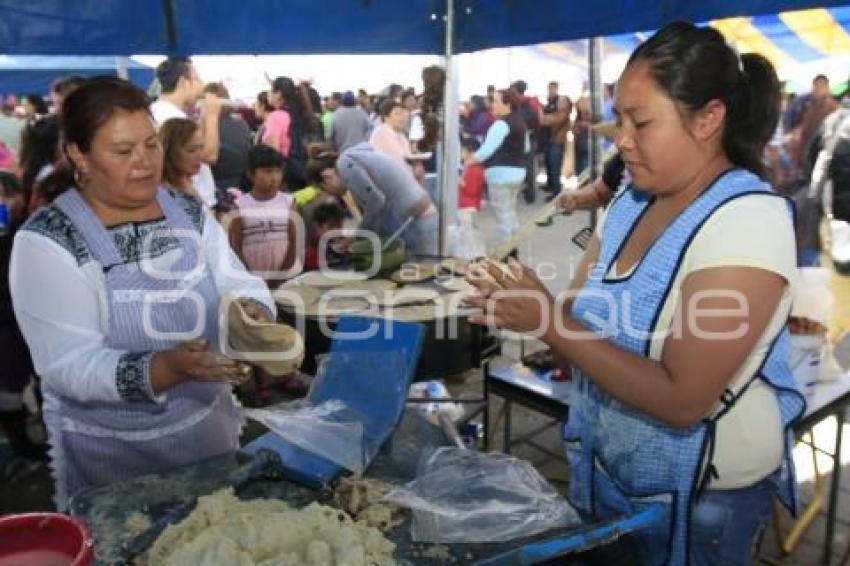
788	39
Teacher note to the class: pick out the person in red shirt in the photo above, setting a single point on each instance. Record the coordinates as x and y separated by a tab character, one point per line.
326	216
471	188
470	192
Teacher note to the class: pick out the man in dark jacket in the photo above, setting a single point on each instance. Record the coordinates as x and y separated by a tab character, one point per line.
234	143
532	114
553	137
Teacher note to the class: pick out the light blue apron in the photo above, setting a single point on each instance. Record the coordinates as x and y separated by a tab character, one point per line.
96	443
621	459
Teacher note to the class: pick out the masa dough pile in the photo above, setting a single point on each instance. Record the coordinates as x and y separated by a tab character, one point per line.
223	529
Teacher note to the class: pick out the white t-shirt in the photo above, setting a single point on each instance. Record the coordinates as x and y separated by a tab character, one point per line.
749	441
163	110
203	181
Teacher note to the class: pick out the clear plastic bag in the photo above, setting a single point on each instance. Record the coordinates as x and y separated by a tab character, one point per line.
465	240
353	404
462	496
330	429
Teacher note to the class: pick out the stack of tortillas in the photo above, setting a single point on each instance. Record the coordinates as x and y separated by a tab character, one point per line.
443	306
353	297
329	278
276	348
415	272
454	265
299	298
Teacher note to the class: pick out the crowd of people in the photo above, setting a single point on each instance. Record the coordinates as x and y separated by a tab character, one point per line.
114	198
104	182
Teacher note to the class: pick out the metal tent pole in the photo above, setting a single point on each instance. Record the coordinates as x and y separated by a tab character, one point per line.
122	65
594	63
450	145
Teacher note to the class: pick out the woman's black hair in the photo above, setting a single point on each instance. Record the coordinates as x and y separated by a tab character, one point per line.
470	144
327	212
263	100
302	123
322	157
38	103
262	156
387	106
84	112
89	107
694	65
478	103
39	147
10	186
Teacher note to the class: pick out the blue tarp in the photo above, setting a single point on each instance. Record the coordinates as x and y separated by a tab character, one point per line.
202	27
24	74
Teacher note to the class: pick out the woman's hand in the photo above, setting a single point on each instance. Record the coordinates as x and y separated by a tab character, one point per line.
567	202
511	296
192	362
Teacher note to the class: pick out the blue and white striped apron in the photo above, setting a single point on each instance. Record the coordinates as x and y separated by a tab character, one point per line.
621	459
97	443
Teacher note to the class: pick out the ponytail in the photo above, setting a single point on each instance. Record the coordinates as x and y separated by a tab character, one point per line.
752	113
694	65
57	182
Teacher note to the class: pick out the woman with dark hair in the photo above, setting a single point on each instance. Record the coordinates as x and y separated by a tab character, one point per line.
503	156
34	106
479	120
182	146
262	108
384	189
288	128
682	394
15	358
39	155
117	287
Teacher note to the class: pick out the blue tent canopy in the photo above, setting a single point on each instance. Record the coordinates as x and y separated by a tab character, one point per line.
120	27
27	73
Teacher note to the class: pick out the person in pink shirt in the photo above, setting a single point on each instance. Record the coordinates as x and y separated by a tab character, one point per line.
263	234
276	130
288	128
389	137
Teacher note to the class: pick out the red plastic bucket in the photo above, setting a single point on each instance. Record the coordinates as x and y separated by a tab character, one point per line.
44	539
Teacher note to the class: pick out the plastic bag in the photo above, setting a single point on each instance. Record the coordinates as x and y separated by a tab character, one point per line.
372	383
465	240
329	429
441	401
353	405
462	496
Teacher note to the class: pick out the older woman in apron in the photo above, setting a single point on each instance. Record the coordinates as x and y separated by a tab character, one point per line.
682	396
117	286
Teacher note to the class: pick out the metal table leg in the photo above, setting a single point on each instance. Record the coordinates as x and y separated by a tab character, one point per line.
833	490
485	418
506	441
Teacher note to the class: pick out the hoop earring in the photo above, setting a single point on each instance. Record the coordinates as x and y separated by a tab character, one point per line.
80	178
